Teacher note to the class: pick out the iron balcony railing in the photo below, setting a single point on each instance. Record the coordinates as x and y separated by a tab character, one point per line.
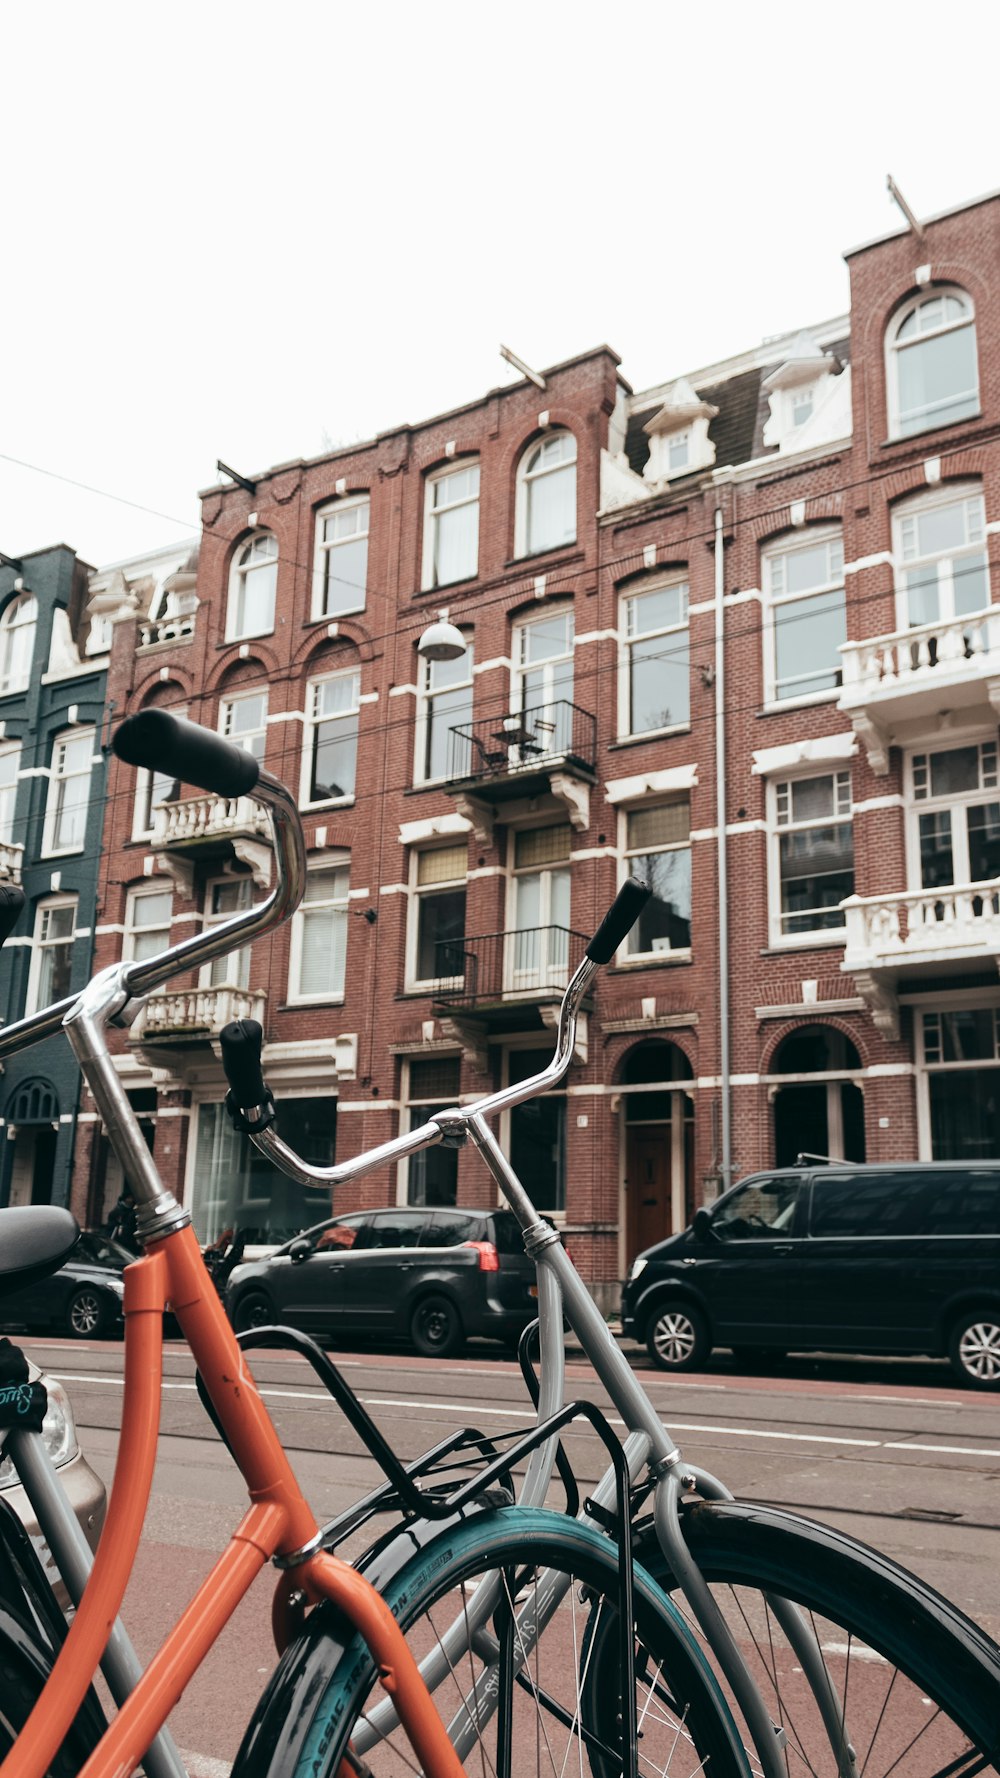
500	966
522	741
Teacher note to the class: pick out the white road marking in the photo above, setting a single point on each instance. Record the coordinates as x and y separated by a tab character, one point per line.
202	1765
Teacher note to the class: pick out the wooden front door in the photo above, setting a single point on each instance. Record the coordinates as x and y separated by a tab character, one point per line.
647	1187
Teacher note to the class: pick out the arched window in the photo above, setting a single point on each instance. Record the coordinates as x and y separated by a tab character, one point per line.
546	494
818	1108
931	365
17	643
252	584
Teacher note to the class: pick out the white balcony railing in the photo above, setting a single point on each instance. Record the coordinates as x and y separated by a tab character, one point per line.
166	629
966	647
198	818
10	862
199	1011
890	930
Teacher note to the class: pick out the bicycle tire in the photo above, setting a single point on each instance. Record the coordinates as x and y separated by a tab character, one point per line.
921	1681
315	1723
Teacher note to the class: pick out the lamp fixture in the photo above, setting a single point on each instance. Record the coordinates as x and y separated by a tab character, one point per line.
441	641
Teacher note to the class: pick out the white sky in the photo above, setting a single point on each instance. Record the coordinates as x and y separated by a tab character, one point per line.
256	231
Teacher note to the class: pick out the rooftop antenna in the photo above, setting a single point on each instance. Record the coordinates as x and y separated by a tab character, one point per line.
525	369
898	198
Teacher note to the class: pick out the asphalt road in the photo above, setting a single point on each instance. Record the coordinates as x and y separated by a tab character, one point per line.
890	1452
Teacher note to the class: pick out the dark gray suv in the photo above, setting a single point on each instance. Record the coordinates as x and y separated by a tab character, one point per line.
432	1277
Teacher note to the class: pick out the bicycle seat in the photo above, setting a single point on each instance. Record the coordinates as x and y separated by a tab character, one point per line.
35	1239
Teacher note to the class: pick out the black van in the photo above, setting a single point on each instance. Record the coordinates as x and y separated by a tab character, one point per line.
833	1258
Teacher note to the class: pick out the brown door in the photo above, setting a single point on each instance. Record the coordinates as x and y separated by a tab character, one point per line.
647	1187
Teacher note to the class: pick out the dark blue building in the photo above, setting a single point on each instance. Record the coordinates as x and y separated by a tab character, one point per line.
53	673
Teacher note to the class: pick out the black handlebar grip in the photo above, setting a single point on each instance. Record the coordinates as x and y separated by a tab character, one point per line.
619	920
181	749
11	903
242	1042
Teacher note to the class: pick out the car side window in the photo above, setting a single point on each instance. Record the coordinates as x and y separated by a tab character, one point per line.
761	1210
859	1203
451	1231
964	1203
341	1237
395	1228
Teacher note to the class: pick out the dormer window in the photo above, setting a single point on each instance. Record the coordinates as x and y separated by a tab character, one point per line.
679	451
796	390
802	403
678	435
17	641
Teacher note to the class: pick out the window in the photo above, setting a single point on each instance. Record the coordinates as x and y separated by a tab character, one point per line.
451	526
10	760
543	680
658	852
807	622
940	549
759	1210
252	585
234	1187
539	932
438	914
800	403
657	660
331	743
679	450
537	1146
52	953
243	720
341	575
931	367
546	494
69	792
445	704
432	1175
960	1077
224	899
147	923
152	788
812	854
17	643
319	934
957	836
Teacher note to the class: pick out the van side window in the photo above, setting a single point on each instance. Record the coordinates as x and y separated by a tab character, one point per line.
762	1209
846	1204
963	1203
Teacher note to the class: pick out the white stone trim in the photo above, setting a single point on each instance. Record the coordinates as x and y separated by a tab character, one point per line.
412	833
623	790
821	750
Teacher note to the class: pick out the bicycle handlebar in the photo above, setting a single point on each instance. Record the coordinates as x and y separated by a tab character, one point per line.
619	920
241	1043
161	742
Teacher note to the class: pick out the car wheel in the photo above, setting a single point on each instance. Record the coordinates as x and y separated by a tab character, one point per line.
86	1313
677	1337
436	1328
974	1349
252	1310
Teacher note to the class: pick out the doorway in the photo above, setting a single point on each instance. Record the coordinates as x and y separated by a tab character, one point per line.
659	1144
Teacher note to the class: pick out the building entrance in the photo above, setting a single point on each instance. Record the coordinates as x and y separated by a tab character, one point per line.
659	1127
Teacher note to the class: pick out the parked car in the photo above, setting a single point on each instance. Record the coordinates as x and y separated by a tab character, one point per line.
431	1277
83	1299
85	1489
835	1258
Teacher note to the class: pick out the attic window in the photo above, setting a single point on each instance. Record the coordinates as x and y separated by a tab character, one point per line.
802	404
680	450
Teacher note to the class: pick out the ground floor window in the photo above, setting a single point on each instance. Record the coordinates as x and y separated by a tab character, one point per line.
961	1055
538	1136
432	1175
234	1187
817	1111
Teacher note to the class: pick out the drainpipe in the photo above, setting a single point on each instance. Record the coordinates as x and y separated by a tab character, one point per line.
723	872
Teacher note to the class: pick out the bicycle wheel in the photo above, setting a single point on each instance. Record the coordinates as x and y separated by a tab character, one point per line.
917	1683
557	1707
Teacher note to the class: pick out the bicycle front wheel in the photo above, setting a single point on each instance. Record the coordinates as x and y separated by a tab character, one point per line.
916	1684
553	1702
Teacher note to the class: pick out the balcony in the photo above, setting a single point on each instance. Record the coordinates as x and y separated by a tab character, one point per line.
913	676
10	862
551	748
195	1015
155	633
920	932
206	821
505	973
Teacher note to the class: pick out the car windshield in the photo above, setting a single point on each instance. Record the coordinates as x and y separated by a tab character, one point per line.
100	1250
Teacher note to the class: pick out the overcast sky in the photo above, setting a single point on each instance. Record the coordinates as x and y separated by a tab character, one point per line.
260	231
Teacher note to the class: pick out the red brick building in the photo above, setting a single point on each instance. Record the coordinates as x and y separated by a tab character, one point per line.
829	503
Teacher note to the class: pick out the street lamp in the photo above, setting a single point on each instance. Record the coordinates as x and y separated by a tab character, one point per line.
441	641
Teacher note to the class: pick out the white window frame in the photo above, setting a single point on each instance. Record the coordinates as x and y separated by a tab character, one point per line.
557	1217
678	458
58	778
244	738
552	968
778	795
313	722
553	692
242	567
351	596
8	793
772	554
146	795
39	946
965	494
628	605
232	969
427	695
19	619
988	789
527	476
628	853
321	864
978	999
435	511
407	1122
893	350
146	892
417	893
